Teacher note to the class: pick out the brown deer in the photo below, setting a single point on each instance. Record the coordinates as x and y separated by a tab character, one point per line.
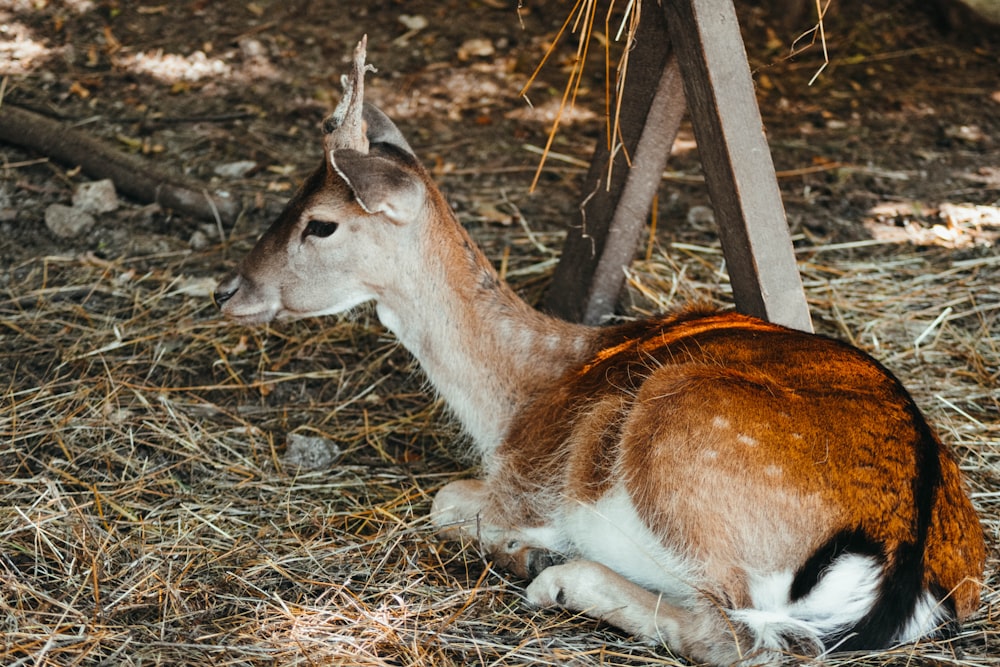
734	489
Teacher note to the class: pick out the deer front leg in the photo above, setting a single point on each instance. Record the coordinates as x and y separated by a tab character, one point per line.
599	592
462	510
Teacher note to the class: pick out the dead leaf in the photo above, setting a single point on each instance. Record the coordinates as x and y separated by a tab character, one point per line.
241	346
131	142
476	47
490	213
78	89
111	42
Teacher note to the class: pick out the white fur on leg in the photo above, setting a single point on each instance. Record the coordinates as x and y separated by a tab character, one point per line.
927	617
599	592
611	532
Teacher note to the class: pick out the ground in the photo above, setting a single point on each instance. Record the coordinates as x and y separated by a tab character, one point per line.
177	490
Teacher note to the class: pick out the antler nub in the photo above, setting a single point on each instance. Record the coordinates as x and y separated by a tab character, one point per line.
344	128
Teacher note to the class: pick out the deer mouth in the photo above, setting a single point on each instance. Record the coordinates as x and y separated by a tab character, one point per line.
252	317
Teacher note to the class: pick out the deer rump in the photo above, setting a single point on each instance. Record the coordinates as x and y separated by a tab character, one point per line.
784	484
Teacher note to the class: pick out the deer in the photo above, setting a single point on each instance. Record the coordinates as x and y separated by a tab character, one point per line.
738	491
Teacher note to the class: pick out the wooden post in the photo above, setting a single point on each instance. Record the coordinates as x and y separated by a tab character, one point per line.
736	161
612	216
685	49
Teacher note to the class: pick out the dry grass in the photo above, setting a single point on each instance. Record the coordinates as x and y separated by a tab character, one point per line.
148	514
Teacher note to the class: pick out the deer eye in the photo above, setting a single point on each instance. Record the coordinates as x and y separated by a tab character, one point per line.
319	228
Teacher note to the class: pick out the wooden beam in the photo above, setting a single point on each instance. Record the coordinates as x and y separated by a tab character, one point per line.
737	163
613	213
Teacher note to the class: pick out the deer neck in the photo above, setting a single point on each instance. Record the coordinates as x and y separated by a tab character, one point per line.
484	349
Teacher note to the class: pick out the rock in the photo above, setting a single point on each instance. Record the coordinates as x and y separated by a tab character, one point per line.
700	216
971	135
974	20
67	222
96	197
475	48
305	452
237	169
984	9
199	240
204	236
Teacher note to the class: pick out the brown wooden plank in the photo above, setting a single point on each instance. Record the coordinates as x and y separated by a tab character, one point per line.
737	163
612	216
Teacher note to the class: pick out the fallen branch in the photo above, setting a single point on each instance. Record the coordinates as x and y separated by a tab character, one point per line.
132	176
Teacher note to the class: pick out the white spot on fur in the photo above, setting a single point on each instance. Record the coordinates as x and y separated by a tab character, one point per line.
553	342
745	439
774	471
720	422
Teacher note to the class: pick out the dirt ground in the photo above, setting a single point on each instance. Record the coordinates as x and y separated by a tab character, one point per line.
151	513
903	120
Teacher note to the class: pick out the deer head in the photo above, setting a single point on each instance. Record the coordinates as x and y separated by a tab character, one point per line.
325	253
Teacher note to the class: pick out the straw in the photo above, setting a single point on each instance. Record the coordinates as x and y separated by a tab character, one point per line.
149	515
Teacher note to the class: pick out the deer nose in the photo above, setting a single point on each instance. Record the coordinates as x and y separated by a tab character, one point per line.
225	290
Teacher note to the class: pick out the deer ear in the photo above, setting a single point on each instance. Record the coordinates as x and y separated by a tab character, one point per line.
380	185
381	130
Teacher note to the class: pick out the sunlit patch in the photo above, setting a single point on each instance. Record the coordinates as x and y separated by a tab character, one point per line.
19	53
549	111
449	93
947	225
173	68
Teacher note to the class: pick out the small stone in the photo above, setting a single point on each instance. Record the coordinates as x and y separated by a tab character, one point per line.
96	197
306	452
972	135
67	222
413	23
199	240
475	48
237	169
699	216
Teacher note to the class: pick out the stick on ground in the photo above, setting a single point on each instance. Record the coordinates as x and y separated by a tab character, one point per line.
132	176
